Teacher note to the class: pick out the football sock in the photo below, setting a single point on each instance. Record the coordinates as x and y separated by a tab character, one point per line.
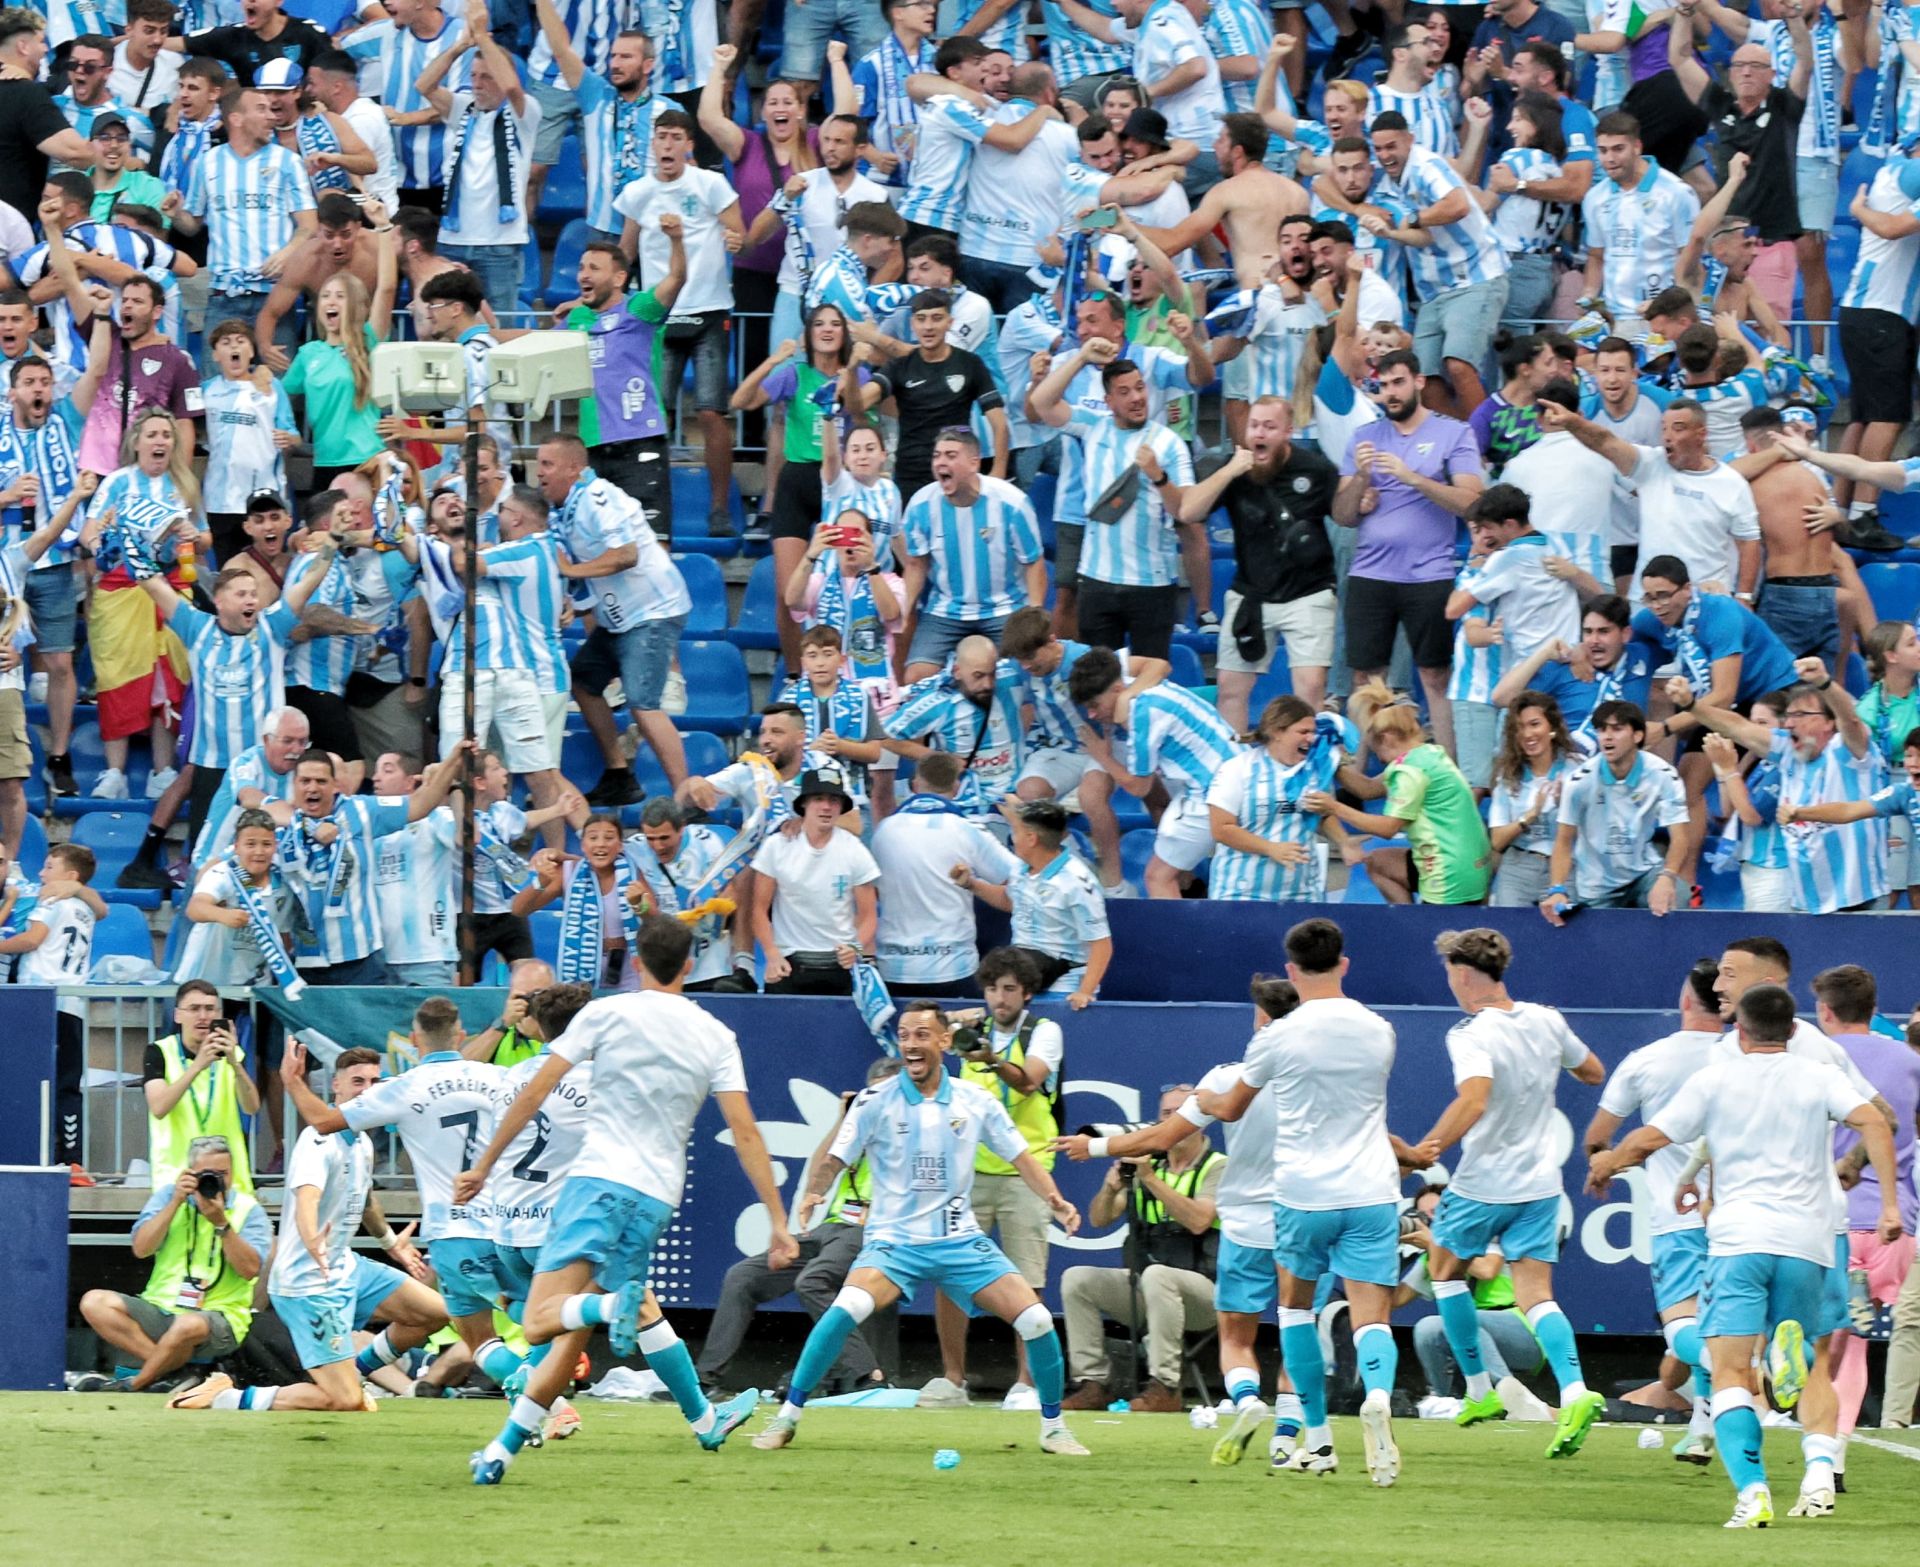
496	1361
1288	1416
586	1311
822	1349
1820	1451
1306	1366
1736	1431
1379	1356
1555	1333
380	1352
1044	1360
523	1421
668	1359
1461	1320
1243	1386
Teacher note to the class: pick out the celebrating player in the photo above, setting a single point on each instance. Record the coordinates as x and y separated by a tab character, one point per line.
919	1132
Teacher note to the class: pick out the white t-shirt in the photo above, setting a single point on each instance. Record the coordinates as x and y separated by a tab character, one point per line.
1328	1062
340	1166
151	88
1562	478
369	122
813	888
219	954
1768	1120
1532	604
521	1189
1647	1081
444	1110
926	933
1509	1154
1696	516
699	196
480	207
67	953
656	1057
823	220
1245	1195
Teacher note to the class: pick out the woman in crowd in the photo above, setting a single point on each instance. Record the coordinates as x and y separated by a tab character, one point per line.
334	371
1529	228
1891	711
1536	754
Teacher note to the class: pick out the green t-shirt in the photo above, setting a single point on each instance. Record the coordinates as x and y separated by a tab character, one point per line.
643	306
803	413
344	430
134	189
1147	326
1451	849
1890	720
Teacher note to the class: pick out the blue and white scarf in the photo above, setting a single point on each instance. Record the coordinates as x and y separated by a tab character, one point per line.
50	454
875	1001
929	805
1823	87
508	162
583	957
769	810
186	147
1693	657
661	21
314	133
509	865
249	899
319	873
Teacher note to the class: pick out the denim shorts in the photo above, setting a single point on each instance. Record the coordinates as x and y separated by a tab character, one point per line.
500	268
1459	324
1817	183
936	636
803	50
708	352
1805	616
55	604
559	113
641	656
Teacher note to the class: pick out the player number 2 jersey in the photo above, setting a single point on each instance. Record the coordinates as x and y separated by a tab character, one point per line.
521	1189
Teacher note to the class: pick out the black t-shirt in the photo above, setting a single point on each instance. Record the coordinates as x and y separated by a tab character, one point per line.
1770	137
243	52
931	396
28	116
1280	545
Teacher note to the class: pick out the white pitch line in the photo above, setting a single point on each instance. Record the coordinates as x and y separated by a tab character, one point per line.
1886	1447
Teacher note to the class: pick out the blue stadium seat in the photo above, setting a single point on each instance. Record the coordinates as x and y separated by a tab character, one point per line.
759	610
532	277
565	193
1856	679
718	697
1360	887
1894	588
114	837
706	753
1186	666
33	848
89	756
1136	848
1277	681
708	590
1040	495
691	503
545	925
563	278
123	933
580	760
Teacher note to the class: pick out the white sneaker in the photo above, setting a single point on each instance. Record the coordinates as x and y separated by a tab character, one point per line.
1062	1441
1117	892
1521	1402
110	785
1815	1501
159	783
941	1394
1819	364
1022	1398
1281	1448
776	1433
37	687
673	695
1754	1510
1376	1431
1437	1406
1306	1461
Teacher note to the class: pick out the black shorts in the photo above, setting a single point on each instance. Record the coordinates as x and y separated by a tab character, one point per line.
1376	609
505	933
642	469
1622	559
1140	619
1879	349
797	500
330	719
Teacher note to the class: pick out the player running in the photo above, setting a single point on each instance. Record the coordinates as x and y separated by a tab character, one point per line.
1768	1117
918	1132
1336	1186
656	1058
1646	1082
1506	1188
1245	1285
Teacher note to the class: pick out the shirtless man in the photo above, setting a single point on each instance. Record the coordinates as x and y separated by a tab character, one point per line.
1250	201
341	242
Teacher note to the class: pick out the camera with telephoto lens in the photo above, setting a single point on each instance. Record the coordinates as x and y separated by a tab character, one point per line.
1112	1129
210	1187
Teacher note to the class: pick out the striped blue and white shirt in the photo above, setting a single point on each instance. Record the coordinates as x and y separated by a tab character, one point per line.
597	517
248	770
974	552
1387	257
1056	721
1167	37
919	1151
517	613
144	504
82	115
1163	369
591	27
936	712
1462	253
414	882
249	205
334	882
1059	910
116	242
1179	737
1263	795
237	679
1140	549
1009	33
1277	340
1429	115
1616	818
324	663
1765	846
51	453
1526	225
1476	670
1511	798
1833	866
880	90
71	19
1886	274
1643	231
419	149
1073	53
617	133
1236	29
950	128
185	147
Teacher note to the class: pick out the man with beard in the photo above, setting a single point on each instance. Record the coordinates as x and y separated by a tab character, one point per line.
1278	495
615	107
1247	202
1263	356
819	201
972	708
1350	190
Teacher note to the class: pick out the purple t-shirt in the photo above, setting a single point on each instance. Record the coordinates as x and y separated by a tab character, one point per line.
756	177
1893	1068
1407	538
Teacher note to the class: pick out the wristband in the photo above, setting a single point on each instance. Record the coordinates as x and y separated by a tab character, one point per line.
501	1026
387	1239
1096	1147
415	680
1663	871
1825	684
1562	891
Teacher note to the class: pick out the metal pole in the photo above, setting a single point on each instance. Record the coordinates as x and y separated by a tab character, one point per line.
469	957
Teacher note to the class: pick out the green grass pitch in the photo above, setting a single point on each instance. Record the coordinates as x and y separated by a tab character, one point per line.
126	1482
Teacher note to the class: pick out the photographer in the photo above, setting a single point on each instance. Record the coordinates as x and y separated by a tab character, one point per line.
208	1240
1016	1057
197	1086
826	1254
1170	1201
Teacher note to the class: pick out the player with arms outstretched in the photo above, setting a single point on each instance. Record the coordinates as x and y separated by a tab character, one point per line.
919	1132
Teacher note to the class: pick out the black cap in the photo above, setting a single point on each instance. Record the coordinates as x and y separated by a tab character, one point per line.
1147	125
828	780
102	123
263	501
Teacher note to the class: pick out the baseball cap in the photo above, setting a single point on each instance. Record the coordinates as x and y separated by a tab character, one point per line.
279	76
102	123
263	501
1147	125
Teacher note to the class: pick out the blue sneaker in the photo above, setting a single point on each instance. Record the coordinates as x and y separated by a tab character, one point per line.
728	1417
516	1382
623	1327
487	1471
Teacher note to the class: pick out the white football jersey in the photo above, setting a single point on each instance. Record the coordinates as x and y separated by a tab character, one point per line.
1245	1196
523	1184
444	1110
340	1166
1508	1155
1647	1081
